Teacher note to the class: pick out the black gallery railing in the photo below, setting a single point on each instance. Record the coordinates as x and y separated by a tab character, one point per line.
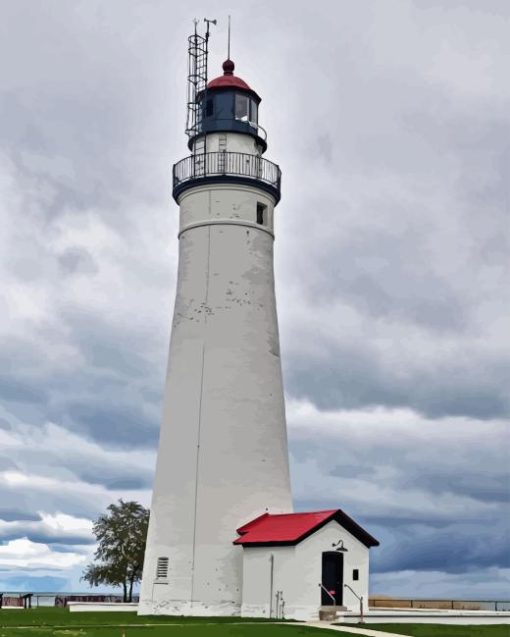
229	164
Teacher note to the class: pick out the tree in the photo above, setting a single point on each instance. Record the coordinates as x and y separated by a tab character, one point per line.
121	535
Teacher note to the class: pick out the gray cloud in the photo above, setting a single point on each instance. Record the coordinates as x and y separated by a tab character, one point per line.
433	491
12	515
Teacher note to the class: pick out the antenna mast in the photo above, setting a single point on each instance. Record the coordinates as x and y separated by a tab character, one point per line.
228	45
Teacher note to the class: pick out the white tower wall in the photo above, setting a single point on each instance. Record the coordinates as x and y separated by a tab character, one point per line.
233	142
223	455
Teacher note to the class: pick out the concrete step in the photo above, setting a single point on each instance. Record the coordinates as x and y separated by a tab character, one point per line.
330	613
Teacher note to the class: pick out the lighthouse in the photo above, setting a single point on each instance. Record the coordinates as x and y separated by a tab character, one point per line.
222	538
222	457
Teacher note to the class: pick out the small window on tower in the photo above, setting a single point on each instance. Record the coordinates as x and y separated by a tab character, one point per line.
209	108
261	214
162	568
355	574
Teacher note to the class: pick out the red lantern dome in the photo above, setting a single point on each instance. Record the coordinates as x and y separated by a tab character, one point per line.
229	80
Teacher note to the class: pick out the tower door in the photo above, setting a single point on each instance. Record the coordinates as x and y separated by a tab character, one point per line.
332	577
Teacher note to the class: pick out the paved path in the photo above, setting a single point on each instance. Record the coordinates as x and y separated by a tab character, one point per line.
354	630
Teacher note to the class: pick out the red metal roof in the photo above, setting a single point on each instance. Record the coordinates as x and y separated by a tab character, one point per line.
286	527
291	528
229	80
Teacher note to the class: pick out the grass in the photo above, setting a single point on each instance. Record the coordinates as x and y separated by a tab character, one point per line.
58	622
51	616
439	630
190	630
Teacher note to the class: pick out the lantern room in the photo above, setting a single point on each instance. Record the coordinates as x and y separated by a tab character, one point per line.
228	104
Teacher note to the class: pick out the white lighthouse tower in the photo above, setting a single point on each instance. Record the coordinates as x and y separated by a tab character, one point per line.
222	458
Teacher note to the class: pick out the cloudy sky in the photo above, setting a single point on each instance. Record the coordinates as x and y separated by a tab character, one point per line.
390	120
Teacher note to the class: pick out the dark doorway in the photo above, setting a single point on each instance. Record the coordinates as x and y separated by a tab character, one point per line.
332	577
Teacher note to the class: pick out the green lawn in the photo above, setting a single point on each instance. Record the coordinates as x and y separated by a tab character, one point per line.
439	630
51	616
190	630
56	622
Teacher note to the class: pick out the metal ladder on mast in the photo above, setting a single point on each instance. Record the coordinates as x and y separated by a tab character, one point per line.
197	83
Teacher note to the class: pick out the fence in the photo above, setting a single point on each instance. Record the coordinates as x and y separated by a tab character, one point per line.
438	604
16	600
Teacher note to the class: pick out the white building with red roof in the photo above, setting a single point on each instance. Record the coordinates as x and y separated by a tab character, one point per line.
295	563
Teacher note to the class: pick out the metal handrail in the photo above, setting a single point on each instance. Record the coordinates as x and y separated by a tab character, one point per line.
220	163
353	592
361	618
326	591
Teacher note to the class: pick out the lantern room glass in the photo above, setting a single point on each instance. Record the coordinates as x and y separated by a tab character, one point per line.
245	109
242	108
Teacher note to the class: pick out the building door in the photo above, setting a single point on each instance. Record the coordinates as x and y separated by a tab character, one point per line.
332	577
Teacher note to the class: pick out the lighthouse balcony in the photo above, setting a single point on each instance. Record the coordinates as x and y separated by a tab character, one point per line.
226	167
